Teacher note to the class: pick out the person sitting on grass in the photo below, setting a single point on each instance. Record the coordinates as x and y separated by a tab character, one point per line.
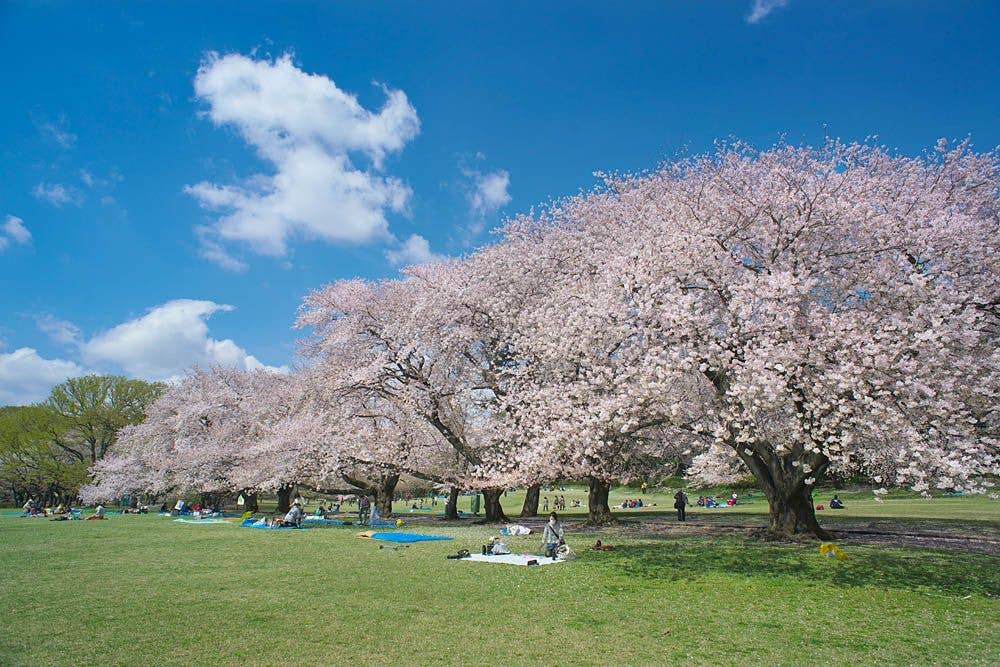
98	514
553	535
294	516
835	504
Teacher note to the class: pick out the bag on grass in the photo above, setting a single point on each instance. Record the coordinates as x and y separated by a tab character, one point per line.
831	551
565	553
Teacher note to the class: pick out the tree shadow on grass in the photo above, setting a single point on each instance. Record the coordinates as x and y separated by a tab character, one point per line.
933	572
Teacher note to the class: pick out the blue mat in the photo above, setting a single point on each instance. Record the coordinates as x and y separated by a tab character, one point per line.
323	522
248	523
353	524
408	537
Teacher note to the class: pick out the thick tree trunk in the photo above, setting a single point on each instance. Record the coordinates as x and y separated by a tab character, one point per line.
210	500
451	507
250	503
383	491
285	497
789	498
791	511
530	507
598	511
491	499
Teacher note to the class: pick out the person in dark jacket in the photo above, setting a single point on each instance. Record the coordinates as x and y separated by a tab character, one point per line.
680	502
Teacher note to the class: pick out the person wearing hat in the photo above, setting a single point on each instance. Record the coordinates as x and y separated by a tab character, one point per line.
294	516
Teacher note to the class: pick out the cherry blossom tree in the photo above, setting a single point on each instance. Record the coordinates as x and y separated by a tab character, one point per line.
809	309
218	430
573	403
790	312
407	347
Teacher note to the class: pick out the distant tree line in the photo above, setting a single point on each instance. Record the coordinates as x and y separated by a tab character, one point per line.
47	448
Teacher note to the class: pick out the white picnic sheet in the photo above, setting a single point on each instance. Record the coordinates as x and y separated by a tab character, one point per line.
514	559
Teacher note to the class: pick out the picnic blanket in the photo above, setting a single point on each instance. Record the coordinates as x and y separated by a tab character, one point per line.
407	537
202	521
319	521
250	523
513	559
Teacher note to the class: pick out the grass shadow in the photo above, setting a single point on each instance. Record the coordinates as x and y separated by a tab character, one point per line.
933	572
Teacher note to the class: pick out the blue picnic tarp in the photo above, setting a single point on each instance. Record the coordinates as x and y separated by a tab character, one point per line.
250	523
408	537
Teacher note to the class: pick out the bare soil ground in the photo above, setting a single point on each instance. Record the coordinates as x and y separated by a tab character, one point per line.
963	536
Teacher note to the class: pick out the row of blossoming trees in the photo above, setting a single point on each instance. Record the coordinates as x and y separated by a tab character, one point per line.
788	313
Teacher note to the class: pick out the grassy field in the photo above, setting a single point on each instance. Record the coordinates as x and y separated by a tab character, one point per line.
148	590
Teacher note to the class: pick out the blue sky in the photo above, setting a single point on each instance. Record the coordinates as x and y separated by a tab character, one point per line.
174	177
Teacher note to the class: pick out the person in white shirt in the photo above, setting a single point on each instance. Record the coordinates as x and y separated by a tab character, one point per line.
294	516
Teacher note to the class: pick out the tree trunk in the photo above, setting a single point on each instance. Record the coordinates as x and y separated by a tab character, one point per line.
791	510
530	507
789	498
383	489
491	499
285	497
598	511
250	503
451	507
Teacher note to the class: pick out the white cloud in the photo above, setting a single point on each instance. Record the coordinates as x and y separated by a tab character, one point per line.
57	194
64	138
761	8
14	230
415	250
490	192
26	377
308	129
214	252
165	341
59	331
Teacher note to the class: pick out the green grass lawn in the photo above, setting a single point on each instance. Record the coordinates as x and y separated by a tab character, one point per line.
148	590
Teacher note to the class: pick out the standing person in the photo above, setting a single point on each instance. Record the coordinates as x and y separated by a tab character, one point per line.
680	502
644	487
363	505
545	504
475	504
